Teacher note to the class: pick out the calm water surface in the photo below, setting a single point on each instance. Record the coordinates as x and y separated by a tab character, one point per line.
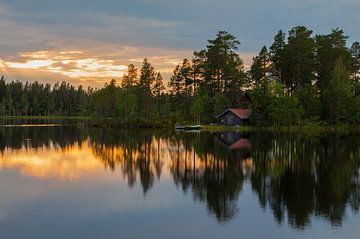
74	182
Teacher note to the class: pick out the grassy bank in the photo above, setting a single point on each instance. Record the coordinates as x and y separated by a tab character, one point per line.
343	128
109	122
88	121
46	117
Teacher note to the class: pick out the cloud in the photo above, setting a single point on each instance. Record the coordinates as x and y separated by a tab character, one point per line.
107	35
91	66
33	64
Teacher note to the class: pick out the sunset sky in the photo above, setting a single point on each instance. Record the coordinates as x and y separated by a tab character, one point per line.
89	42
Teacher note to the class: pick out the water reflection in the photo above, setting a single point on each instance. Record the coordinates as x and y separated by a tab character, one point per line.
307	176
139	154
298	177
214	173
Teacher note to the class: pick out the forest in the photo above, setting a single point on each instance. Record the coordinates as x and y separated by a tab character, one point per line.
302	78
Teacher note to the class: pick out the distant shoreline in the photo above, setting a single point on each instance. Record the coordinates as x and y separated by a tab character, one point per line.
89	121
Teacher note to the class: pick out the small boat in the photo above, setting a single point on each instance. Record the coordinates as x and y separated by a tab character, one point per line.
180	127
193	127
188	127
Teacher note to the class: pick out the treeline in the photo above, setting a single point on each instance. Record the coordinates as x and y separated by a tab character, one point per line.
307	78
302	78
198	90
38	99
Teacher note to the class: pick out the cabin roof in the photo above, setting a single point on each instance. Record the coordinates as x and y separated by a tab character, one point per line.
241	113
241	144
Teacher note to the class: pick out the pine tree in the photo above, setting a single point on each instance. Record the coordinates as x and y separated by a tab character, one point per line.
355	65
338	96
158	88
277	55
223	63
261	66
147	78
176	84
300	58
130	78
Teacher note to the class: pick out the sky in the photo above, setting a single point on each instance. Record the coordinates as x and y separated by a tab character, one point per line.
89	42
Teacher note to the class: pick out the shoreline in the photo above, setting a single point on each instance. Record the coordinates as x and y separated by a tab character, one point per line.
108	122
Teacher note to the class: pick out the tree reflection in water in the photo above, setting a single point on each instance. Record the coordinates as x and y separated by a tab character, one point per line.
306	176
138	153
296	176
213	172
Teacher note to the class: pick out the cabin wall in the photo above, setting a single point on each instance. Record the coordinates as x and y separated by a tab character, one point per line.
230	119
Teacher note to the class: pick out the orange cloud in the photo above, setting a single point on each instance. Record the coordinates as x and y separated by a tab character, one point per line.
91	67
69	63
32	64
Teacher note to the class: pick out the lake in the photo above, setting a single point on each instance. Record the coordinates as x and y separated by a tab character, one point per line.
75	182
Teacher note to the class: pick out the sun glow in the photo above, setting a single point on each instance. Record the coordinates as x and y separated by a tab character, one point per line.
70	163
80	161
73	64
89	67
32	64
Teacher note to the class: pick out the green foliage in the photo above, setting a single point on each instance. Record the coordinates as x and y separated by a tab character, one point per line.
320	77
272	106
105	101
261	66
222	67
221	103
300	58
130	78
338	96
202	109
309	101
127	105
329	48
158	89
144	94
147	76
38	99
277	56
355	66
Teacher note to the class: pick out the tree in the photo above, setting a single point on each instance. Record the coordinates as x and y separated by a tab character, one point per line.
2	89
309	101
176	84
201	109
105	100
338	96
329	48
331	52
300	58
2	96
130	78
272	106
277	55
199	66
147	78
187	76
222	64
355	65
127	105
220	103
261	65
158	88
